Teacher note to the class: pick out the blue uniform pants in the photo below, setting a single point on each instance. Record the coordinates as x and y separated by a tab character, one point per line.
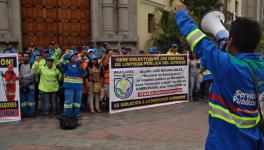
49	102
72	102
224	136
27	102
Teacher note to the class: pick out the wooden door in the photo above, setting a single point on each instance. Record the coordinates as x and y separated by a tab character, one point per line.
64	21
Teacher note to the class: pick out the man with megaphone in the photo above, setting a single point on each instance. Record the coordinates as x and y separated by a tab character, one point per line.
234	112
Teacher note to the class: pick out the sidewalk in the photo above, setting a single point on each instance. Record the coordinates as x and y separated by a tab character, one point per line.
175	127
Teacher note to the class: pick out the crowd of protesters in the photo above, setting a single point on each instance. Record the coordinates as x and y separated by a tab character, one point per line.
68	81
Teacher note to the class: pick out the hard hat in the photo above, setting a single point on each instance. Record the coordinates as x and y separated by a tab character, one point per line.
71	54
45	50
153	50
174	46
37	53
50	59
90	50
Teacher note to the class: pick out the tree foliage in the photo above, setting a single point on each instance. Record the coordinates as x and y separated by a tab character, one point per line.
167	32
198	8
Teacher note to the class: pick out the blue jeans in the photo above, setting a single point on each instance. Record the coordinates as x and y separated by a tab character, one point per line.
49	102
27	102
72	102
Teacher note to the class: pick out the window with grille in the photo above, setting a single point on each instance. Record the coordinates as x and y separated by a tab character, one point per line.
236	7
150	23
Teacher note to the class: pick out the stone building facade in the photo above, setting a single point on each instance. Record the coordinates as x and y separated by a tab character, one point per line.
114	20
147	17
253	9
111	21
10	23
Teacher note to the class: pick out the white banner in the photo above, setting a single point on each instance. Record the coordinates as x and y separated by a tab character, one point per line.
9	87
146	81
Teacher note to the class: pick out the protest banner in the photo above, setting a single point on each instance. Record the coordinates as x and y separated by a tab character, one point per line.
146	81
9	87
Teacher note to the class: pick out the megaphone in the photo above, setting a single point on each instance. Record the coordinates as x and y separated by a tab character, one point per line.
212	23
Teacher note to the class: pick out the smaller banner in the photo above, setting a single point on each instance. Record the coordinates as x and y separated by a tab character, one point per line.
9	87
146	81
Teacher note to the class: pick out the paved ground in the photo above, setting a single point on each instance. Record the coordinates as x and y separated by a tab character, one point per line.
174	127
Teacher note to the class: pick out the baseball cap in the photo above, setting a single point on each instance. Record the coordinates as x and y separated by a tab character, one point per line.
174	46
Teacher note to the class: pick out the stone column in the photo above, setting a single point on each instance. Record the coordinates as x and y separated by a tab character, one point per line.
4	22
123	27
108	18
252	9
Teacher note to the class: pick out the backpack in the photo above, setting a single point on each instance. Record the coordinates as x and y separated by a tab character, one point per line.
68	122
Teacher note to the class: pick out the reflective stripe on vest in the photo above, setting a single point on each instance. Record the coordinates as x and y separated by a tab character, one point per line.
260	83
77	105
23	104
194	37
68	106
224	114
31	104
206	72
73	80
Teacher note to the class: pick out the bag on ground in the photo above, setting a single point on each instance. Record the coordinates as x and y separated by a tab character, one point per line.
68	122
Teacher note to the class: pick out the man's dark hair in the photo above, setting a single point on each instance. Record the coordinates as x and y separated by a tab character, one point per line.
105	45
26	53
246	34
115	50
90	64
108	50
128	49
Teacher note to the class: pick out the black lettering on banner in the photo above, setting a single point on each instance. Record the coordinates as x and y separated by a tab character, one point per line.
147	61
147	101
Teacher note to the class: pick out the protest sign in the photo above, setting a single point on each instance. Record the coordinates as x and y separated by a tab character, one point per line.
146	81
9	87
